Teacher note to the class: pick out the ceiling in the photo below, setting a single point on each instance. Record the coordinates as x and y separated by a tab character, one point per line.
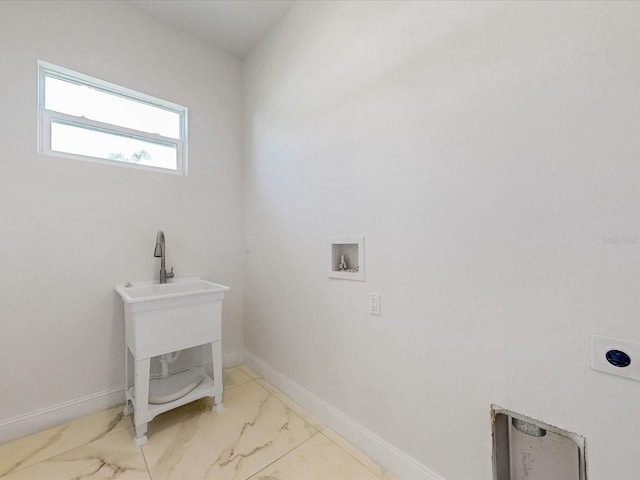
235	26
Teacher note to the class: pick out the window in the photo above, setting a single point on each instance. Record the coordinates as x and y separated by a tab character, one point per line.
85	118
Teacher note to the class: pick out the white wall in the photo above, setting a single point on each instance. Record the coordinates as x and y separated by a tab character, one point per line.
489	154
71	230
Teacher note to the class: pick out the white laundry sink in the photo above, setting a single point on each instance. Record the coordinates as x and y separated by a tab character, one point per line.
165	318
147	291
161	318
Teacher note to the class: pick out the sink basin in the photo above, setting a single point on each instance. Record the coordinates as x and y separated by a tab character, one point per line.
161	318
146	291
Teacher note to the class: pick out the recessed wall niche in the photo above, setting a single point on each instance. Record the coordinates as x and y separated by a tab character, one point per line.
347	258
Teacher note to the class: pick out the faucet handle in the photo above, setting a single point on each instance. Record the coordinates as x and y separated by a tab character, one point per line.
170	274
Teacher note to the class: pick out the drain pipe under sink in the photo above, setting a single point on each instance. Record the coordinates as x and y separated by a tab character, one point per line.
166	359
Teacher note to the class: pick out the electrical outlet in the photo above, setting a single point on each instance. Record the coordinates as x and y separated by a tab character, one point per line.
615	356
374	304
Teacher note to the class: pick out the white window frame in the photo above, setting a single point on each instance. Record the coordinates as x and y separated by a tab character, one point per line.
47	117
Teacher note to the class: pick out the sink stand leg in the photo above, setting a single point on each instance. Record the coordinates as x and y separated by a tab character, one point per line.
141	435
141	387
217	404
216	356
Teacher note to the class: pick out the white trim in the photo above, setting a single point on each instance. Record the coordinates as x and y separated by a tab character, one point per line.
95	125
229	360
232	359
48	417
72	76
38	420
46	117
49	117
345	275
386	455
116	163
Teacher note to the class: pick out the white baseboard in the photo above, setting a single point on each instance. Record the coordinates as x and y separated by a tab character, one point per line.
47	417
232	359
383	453
38	420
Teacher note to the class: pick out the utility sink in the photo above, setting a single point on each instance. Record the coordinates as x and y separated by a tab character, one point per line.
165	318
186	287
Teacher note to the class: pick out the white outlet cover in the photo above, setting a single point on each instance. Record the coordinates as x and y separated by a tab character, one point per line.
601	345
374	303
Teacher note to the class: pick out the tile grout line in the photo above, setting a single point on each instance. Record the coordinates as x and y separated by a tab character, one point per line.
318	431
49	459
356	459
284	454
236	385
98	437
144	457
291	409
250	380
63	427
320	428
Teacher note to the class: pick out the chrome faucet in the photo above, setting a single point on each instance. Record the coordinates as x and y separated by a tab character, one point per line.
159	252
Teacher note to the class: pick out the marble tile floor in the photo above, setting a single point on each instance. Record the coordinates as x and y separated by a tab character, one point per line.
260	435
